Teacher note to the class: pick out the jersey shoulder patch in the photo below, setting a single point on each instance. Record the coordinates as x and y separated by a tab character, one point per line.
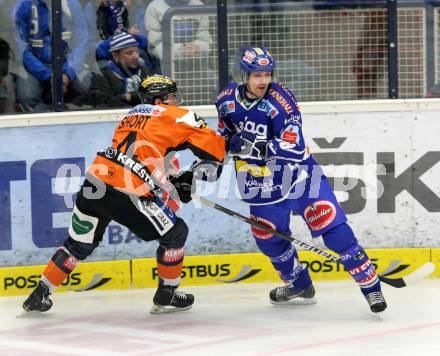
147	109
228	92
291	134
283	97
226	107
192	119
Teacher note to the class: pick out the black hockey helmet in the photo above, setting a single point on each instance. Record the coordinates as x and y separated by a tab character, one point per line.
158	86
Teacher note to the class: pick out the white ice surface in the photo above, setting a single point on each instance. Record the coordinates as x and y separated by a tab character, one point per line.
228	320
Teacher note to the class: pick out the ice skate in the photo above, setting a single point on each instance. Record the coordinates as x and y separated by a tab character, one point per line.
288	295
169	300
376	301
39	299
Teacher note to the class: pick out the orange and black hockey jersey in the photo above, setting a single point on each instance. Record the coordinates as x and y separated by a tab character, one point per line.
139	157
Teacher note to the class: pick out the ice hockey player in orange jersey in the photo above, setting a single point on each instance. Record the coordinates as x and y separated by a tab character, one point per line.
129	183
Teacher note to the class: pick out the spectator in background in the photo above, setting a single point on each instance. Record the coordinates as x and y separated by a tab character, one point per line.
370	62
111	16
6	92
120	78
90	8
103	55
103	19
190	49
434	91
370	59
191	35
32	22
136	14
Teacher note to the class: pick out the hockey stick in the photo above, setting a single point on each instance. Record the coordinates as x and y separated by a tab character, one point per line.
421	272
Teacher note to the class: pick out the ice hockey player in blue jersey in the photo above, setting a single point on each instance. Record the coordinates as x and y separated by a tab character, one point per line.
277	175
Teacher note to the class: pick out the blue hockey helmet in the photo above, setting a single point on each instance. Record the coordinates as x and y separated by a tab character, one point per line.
255	59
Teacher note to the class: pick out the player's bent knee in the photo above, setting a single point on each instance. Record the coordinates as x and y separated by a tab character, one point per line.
176	237
287	253
273	247
82	230
342	240
339	238
78	249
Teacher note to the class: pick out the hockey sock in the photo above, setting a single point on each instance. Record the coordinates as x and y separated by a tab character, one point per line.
59	267
170	265
341	240
290	269
358	264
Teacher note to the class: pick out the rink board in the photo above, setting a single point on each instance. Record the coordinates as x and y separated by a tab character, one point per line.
435	258
256	268
104	275
386	180
208	270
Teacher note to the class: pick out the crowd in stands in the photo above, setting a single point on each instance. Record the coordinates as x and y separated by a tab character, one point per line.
107	46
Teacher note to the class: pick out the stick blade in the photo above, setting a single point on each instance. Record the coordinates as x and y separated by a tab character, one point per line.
393	282
422	272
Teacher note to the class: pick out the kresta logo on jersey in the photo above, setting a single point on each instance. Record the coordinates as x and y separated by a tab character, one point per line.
173	254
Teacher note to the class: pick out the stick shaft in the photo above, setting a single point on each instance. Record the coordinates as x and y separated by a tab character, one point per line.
397	282
260	226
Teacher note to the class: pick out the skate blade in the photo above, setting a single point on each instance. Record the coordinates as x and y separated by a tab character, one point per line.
29	314
378	316
160	309
296	301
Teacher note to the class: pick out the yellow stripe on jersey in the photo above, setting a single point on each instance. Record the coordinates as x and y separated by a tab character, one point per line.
255	171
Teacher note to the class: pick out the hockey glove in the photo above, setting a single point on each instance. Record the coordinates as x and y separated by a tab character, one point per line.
183	185
246	145
205	170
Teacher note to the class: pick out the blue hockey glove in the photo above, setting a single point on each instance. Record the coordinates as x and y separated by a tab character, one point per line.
246	145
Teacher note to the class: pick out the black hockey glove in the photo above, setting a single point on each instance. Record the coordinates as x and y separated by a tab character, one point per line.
205	170
183	185
247	145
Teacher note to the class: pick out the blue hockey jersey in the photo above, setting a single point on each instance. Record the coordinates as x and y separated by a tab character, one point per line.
276	118
32	21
